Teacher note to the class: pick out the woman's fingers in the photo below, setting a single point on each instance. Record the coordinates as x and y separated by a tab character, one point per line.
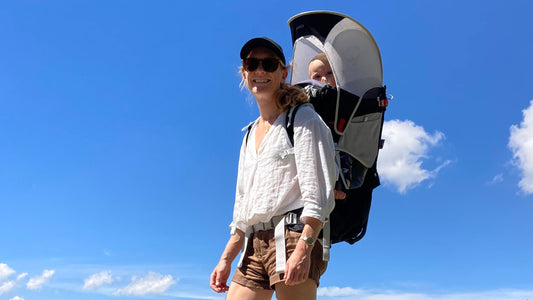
218	282
295	275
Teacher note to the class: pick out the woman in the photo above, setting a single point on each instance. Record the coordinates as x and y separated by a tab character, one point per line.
275	182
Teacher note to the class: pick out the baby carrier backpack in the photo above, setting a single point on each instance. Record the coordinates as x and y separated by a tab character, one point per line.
353	110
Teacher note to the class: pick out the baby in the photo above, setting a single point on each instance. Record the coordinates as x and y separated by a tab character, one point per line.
320	70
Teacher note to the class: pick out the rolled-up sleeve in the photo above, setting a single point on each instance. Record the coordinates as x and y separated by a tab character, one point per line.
315	163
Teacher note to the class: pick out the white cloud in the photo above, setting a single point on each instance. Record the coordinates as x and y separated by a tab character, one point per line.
5	272
153	283
348	293
6	286
521	144
406	146
496	179
97	280
17	298
37	282
333	291
22	276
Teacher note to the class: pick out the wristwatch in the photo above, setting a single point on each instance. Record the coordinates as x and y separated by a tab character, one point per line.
308	240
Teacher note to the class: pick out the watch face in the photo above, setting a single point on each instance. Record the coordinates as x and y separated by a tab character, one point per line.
308	240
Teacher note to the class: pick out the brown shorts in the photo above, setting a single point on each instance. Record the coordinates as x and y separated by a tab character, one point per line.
259	264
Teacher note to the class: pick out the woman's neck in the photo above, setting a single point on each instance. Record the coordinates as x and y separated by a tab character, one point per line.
267	110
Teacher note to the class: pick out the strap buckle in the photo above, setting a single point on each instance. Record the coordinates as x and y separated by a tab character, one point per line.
291	218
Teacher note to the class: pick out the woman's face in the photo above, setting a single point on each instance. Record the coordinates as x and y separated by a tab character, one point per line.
260	82
321	71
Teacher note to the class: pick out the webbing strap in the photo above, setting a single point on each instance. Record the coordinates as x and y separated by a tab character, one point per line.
278	223
279	237
326	240
243	250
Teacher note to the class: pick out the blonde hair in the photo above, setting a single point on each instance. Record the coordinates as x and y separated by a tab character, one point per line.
287	96
320	56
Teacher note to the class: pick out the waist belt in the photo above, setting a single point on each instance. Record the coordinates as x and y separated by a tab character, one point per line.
291	218
278	224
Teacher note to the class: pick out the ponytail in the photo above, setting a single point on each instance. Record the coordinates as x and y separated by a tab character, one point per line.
289	96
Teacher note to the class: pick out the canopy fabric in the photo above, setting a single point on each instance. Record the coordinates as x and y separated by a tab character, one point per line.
350	48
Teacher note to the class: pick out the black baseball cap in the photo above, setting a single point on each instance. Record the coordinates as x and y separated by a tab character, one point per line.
265	43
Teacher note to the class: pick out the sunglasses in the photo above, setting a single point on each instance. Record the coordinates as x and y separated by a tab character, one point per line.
269	64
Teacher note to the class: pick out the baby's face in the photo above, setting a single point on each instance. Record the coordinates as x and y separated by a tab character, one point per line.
321	71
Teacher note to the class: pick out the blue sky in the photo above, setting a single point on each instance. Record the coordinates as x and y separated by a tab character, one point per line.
120	128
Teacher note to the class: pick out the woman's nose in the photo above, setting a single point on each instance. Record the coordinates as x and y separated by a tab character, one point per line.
260	67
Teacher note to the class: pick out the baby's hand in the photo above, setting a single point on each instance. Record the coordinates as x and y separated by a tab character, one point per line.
339	194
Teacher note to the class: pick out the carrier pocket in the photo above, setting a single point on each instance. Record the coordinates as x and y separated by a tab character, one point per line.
361	138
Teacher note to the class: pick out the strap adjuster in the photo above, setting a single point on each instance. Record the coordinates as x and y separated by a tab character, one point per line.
291	218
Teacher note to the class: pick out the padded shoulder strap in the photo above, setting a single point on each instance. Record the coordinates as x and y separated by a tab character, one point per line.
289	121
248	132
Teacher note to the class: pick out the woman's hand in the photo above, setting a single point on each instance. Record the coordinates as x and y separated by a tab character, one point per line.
298	264
220	276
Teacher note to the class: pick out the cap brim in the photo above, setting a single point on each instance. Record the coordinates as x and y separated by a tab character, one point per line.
265	43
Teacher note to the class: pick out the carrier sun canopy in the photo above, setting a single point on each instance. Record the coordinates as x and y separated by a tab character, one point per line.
350	48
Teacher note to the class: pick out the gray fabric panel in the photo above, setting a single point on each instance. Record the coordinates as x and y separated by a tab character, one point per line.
361	138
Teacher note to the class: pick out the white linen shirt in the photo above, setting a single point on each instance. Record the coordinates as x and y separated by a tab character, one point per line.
279	178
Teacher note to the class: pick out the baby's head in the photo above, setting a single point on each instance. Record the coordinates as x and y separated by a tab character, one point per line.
319	69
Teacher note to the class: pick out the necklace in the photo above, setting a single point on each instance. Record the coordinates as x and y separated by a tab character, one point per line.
265	125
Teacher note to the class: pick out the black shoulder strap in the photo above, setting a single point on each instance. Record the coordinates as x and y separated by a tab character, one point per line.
289	122
248	132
